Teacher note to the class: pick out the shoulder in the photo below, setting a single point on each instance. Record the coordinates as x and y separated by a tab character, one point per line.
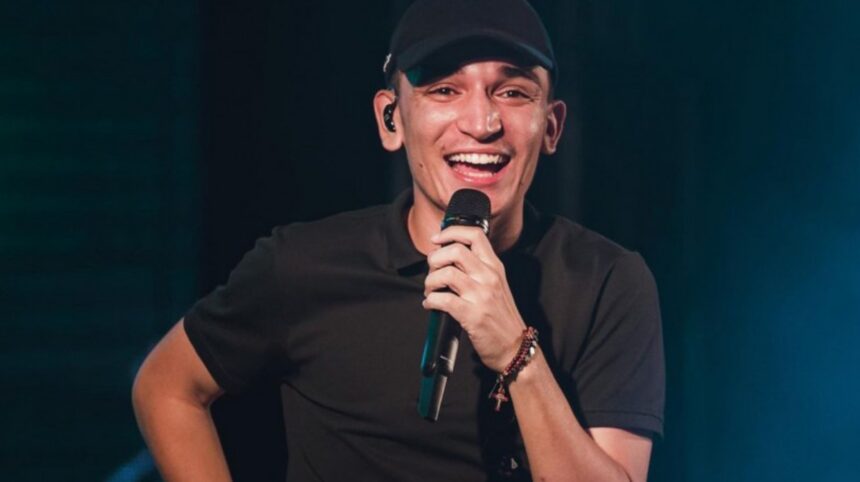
351	236
334	229
577	247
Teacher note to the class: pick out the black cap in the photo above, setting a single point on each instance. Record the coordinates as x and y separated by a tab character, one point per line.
429	26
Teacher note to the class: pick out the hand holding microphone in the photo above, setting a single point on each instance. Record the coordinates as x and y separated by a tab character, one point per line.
467	289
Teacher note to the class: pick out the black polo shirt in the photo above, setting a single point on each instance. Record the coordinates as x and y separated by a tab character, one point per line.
332	311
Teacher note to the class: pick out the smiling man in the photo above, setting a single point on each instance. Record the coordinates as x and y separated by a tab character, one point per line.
335	311
479	124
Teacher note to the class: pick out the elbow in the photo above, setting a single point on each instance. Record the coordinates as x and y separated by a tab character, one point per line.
146	389
139	391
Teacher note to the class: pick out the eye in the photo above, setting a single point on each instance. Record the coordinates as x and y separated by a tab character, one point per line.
515	94
443	90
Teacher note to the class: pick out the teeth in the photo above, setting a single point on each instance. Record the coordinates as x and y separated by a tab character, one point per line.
476	158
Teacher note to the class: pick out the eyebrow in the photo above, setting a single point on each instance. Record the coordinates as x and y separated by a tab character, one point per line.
513	72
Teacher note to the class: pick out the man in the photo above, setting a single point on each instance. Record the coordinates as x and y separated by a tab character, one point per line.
336	310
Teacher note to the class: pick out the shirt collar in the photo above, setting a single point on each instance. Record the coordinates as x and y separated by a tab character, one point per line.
402	252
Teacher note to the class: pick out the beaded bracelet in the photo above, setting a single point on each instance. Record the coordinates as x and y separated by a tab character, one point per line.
521	359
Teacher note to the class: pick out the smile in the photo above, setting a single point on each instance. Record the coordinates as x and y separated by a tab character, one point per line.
477	166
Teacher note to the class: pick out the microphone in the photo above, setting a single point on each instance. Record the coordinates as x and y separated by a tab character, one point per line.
468	207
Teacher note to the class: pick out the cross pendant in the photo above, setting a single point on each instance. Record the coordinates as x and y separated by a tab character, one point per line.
500	399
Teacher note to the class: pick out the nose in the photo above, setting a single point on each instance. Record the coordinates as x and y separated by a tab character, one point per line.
480	118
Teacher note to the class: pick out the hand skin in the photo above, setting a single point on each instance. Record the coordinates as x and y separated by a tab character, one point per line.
558	447
171	396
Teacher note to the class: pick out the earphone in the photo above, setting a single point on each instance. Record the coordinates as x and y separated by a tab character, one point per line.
388	116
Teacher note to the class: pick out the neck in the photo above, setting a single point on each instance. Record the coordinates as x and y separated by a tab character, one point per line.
425	220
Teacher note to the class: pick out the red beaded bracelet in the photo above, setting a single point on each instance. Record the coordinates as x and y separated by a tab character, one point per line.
521	359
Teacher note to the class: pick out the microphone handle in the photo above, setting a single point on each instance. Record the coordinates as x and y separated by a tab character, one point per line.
443	340
438	364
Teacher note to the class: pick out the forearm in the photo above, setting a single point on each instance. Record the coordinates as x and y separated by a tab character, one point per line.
182	438
558	447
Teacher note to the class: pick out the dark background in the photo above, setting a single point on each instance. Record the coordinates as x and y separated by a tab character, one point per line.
145	145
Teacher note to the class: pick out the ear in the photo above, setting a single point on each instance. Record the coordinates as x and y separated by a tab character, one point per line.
391	141
555	115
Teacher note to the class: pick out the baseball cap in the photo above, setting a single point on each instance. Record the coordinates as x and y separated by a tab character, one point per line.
431	28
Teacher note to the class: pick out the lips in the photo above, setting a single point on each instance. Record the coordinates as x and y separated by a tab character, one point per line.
477	165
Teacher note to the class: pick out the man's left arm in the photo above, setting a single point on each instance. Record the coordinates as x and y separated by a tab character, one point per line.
557	445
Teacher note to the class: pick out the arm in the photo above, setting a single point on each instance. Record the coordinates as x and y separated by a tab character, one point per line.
171	397
558	447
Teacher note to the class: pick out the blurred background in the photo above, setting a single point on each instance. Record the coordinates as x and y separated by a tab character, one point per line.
145	145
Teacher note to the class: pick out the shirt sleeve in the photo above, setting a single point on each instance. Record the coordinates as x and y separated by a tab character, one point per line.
620	377
234	328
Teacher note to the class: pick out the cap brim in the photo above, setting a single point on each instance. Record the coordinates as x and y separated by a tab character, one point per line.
422	51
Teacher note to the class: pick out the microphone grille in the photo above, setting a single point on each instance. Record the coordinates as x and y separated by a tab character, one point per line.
469	202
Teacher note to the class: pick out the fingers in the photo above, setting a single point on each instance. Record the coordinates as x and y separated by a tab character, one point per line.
449	277
470	236
448	302
465	265
477	296
455	254
458	257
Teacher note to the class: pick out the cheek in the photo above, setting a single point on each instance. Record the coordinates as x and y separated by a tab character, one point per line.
527	128
536	125
429	123
425	128
533	126
440	117
423	136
